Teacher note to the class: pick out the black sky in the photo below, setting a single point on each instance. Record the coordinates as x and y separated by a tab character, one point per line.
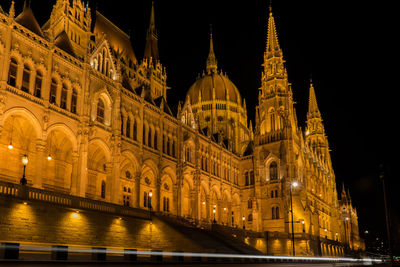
347	48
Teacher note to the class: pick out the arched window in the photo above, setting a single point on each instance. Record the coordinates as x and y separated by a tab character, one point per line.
100	111
53	92
149	137
74	101
12	72
26	75
273	213
38	84
276	193
103	189
277	213
64	95
128	127
273	171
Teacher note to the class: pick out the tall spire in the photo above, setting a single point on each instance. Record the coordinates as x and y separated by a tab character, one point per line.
313	110
273	48
151	48
211	60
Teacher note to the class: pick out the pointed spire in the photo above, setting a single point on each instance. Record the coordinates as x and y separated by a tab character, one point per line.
312	102
211	60
11	12
273	48
151	49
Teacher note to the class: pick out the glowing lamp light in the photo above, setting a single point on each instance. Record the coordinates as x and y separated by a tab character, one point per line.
150	194
25	203
214	211
308	132
10	146
204	202
25	160
75	215
302	222
49	158
295	184
326	230
243	218
224	208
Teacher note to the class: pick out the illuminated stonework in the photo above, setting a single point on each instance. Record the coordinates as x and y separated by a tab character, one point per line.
94	122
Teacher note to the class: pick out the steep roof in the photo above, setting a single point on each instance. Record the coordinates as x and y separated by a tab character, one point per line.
119	40
28	20
62	41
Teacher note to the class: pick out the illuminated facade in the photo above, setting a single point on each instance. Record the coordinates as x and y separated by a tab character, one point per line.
94	122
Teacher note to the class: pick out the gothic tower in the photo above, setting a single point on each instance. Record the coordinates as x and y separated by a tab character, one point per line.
151	65
70	19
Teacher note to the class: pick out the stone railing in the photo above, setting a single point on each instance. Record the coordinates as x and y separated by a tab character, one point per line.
271	137
27	193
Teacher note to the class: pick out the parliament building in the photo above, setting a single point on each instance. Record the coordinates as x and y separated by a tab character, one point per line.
94	122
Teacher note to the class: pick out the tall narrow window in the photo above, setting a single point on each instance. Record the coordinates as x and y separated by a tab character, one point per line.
26	75
246	178
38	84
12	73
103	189
155	140
74	101
128	127
134	130
149	137
53	92
277	213
251	177
273	213
100	111
273	171
64	94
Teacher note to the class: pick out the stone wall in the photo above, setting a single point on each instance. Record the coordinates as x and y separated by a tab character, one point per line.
47	223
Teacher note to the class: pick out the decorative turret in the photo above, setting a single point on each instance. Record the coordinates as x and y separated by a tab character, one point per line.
315	131
75	20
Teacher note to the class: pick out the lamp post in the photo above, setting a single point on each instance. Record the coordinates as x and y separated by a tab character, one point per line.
150	195
243	220
293	184
387	215
214	221
23	180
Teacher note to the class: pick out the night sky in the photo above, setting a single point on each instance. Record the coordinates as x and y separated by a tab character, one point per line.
347	48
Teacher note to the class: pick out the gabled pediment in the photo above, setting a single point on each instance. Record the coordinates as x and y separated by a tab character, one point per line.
103	60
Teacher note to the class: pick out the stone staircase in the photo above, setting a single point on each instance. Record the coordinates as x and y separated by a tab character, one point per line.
210	237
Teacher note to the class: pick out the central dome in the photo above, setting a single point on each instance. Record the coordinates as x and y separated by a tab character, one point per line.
214	86
218	106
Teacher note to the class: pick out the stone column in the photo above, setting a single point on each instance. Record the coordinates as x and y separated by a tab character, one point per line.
177	204
82	170
137	184
41	157
74	175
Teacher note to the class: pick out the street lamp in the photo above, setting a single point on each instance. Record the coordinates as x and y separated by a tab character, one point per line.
214	221
387	214
293	184
23	180
150	195
243	220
